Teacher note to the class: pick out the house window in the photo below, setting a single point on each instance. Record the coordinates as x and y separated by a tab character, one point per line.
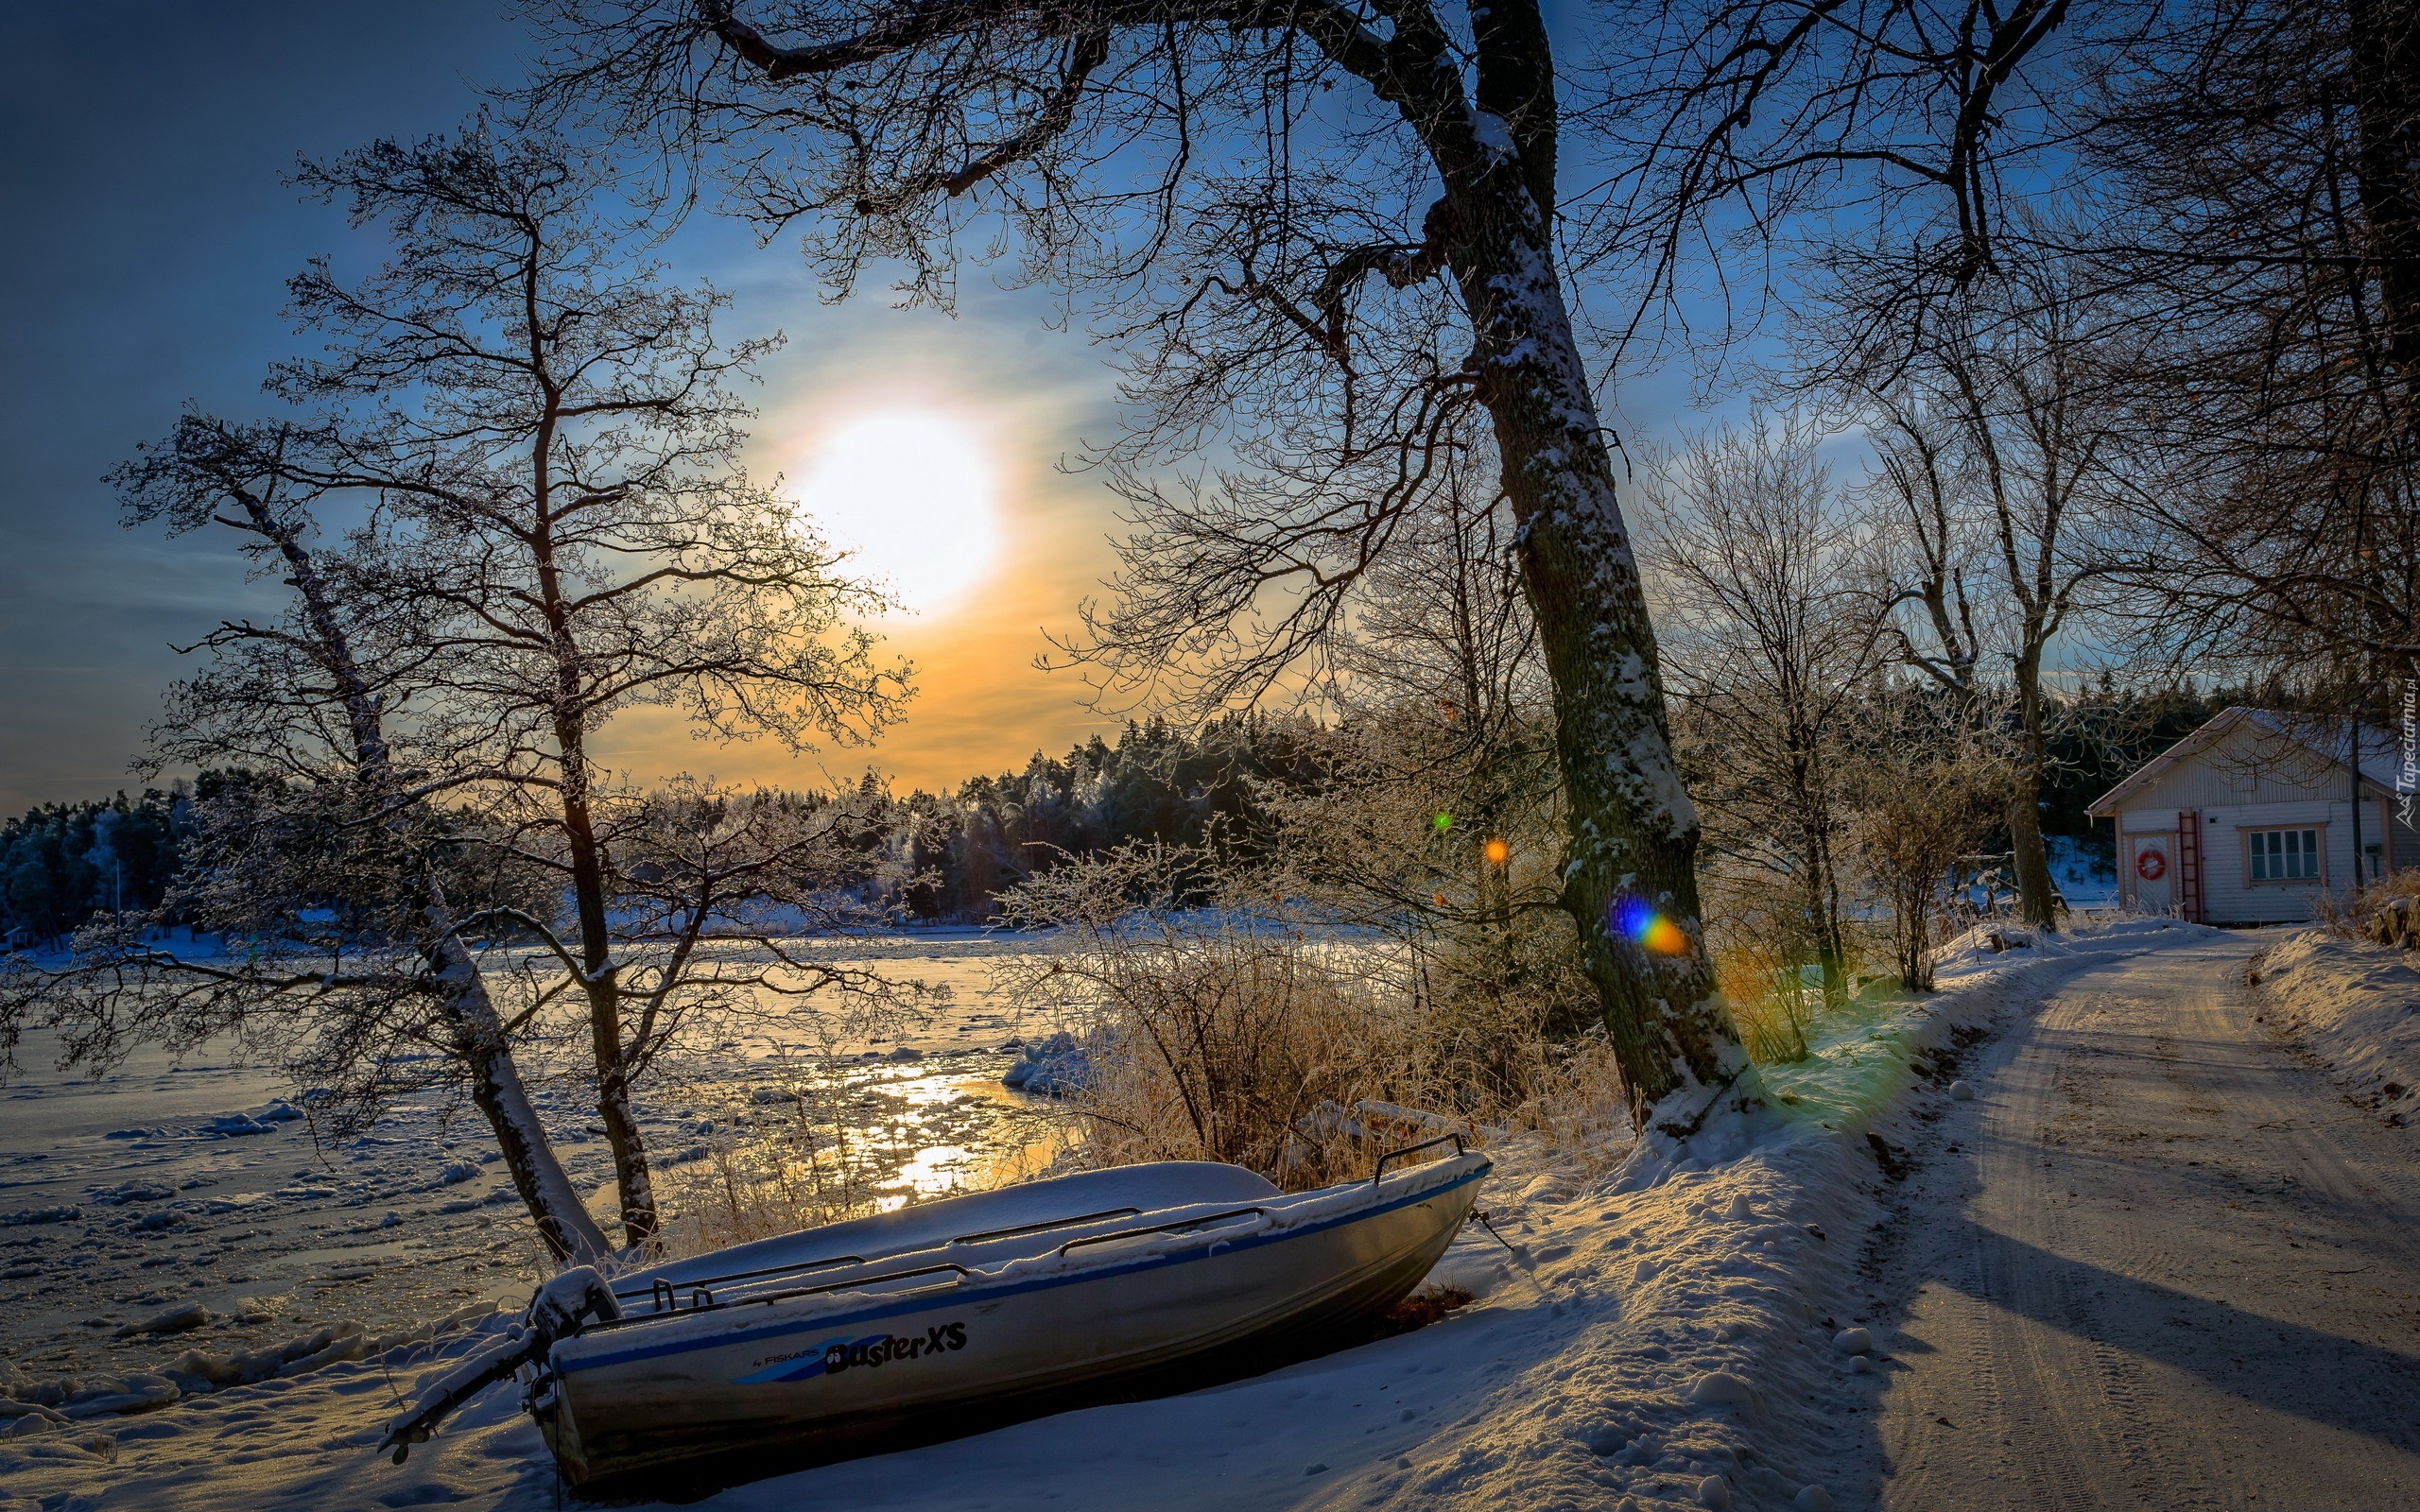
2284	855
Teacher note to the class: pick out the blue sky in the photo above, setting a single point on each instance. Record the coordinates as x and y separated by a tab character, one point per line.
145	145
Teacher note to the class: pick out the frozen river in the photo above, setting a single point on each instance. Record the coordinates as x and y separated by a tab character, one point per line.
117	1201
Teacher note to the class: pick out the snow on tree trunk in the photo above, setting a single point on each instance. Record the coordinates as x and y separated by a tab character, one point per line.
571	1235
1630	882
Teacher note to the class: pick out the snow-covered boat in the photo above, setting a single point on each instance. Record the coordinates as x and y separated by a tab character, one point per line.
967	1311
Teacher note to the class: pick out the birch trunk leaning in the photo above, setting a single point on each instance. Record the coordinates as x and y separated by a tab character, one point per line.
476	1031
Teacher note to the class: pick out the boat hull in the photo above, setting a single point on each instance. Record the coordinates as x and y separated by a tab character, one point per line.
810	1380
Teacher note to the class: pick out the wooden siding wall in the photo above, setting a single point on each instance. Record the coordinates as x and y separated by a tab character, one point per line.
2244	767
2249	780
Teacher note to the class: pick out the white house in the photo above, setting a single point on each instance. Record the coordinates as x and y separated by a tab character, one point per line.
2250	817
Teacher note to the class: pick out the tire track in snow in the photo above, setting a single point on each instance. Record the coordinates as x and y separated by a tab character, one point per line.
2171	1269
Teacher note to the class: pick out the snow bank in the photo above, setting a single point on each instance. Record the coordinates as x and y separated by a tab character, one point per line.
1049	1068
2353	1005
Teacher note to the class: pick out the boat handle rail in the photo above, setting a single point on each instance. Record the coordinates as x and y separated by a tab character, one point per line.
666	1296
990	1234
856	1281
1460	1149
1174	1226
703	1282
702	1301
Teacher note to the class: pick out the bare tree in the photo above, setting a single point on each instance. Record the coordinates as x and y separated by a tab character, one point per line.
547	432
1924	799
1997	406
1740	135
2238	191
1323	235
538	436
1918	500
346	891
1757	572
2258	208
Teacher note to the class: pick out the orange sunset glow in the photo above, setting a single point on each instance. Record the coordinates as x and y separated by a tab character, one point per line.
936	465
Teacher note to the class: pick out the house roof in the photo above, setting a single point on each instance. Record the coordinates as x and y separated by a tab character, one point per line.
2381	759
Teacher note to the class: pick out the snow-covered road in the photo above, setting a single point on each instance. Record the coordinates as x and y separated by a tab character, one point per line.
2158	1262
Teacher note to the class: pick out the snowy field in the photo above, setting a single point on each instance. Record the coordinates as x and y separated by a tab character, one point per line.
1680	1332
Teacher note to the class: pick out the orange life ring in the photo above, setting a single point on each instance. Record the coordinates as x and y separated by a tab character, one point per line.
2151	864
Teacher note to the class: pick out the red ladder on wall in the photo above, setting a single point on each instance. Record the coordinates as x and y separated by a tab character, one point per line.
2189	864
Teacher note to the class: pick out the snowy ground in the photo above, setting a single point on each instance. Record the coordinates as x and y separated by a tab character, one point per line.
2157	1263
1670	1336
2354	1007
2086	876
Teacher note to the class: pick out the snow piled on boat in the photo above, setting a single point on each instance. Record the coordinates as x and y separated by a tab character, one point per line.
1678	1332
2353	1005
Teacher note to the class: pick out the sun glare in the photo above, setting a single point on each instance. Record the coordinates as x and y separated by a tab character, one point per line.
910	494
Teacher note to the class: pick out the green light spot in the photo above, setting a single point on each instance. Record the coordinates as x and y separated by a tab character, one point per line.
1443	822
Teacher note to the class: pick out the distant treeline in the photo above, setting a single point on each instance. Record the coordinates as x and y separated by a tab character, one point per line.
61	863
1158	783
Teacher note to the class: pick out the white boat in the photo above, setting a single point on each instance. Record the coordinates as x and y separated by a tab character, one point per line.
969	1312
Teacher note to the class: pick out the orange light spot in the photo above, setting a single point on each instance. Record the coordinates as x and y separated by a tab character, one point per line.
1496	851
1665	938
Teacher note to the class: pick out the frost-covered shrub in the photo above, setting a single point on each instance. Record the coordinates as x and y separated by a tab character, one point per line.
1921	814
1257	1036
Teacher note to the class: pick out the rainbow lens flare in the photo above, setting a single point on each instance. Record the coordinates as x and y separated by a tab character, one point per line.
1637	920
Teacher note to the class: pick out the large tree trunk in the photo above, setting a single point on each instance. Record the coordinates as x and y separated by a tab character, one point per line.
1631	881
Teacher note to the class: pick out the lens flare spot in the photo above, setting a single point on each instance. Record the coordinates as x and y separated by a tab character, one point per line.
1442	822
1496	851
1637	920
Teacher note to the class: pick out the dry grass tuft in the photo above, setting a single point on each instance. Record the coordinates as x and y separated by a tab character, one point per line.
1253	1041
800	1163
2386	912
1222	1043
1579	1108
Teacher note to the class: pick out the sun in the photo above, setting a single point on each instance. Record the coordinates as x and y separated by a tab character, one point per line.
910	495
